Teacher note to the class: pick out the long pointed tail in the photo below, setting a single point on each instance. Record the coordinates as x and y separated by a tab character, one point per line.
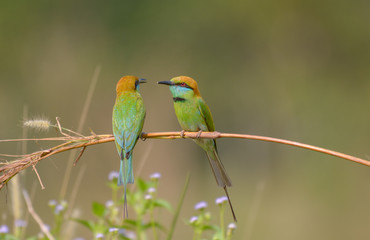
223	180
126	175
218	169
230	204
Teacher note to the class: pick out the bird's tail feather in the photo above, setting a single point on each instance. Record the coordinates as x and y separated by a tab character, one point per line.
223	180
126	175
231	206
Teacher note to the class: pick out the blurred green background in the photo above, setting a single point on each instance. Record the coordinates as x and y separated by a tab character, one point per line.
298	70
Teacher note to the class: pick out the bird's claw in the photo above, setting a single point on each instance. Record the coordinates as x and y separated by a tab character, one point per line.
141	136
182	134
199	133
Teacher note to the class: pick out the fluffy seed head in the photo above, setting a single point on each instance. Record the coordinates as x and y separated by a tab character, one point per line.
39	124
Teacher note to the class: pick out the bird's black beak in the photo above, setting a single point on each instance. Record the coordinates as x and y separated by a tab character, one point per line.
142	80
166	83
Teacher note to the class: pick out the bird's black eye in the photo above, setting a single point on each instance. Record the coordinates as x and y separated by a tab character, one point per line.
183	84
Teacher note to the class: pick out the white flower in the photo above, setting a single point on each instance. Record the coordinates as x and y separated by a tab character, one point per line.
231	226
109	203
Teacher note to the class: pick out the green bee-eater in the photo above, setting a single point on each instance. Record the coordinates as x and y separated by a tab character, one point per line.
128	119
194	115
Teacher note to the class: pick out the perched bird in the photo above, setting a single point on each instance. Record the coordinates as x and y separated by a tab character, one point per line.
194	115
127	120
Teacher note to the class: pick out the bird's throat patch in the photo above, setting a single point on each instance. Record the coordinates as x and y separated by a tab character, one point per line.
178	99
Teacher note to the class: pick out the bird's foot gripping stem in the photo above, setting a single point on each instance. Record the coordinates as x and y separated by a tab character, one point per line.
141	136
199	133
182	134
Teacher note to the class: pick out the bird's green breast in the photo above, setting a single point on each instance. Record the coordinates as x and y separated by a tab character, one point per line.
188	115
191	119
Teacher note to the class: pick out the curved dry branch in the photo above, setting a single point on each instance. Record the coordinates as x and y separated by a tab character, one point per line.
10	169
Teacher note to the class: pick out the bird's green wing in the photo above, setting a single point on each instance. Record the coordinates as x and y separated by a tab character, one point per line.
128	120
208	119
206	114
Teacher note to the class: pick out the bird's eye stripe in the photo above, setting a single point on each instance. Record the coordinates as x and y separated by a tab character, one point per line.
182	84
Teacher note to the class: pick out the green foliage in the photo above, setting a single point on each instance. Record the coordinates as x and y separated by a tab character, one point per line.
143	222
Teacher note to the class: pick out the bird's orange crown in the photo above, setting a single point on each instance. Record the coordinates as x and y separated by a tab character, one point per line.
126	83
188	81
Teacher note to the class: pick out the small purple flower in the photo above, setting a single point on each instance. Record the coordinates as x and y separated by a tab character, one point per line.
53	203
193	219
131	235
126	233
200	205
113	175
109	203
155	176
4	229
151	190
122	231
113	229
99	235
148	197
59	208
221	200
231	226
79	238
47	226
20	223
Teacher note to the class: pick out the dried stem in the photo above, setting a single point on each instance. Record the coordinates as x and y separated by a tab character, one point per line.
38	176
10	169
79	156
67	174
37	218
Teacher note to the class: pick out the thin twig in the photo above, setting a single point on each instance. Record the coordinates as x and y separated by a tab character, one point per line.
142	162
37	139
214	135
10	169
43	227
38	176
178	208
75	190
60	128
86	106
79	156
